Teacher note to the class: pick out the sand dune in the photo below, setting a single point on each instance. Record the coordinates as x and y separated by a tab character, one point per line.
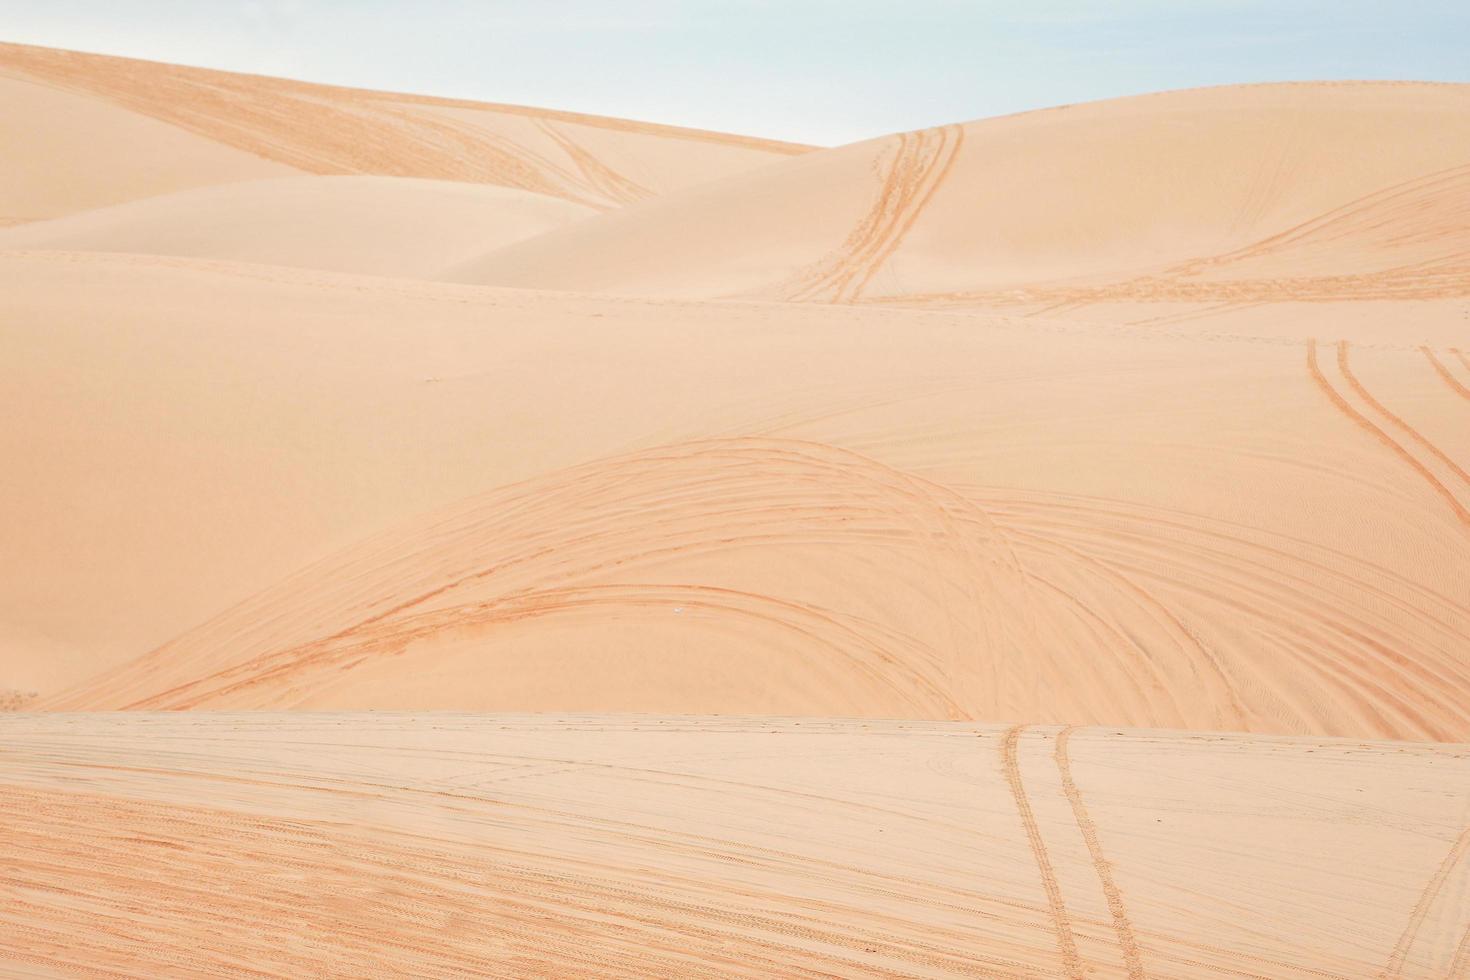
99	130
690	462
645	846
392	226
986	517
1227	196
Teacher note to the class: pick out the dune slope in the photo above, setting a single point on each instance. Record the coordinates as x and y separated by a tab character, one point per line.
438	846
391	226
93	130
1236	195
983	518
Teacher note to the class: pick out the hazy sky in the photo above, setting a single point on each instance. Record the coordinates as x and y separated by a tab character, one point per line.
821	71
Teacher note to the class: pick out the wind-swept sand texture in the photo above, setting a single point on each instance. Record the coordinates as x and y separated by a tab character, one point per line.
100	130
1208	198
389	226
1148	416
295	845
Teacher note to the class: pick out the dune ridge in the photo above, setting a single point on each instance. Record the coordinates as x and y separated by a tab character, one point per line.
1226	197
276	127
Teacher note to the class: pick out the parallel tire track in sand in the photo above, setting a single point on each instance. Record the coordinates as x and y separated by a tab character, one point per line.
1398	422
1363	422
1395	966
1126	941
443	845
1454	383
1066	943
921	161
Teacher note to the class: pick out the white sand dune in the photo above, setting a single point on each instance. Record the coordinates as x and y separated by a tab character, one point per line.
100	130
666	846
390	226
1301	193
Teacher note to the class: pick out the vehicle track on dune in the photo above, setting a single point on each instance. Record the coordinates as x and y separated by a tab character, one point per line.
886	660
1414	434
515	551
1341	656
1213	573
621	846
1066	942
1394	968
1127	943
1139	601
1462	514
1406	241
1454	383
1390	218
917	166
603	179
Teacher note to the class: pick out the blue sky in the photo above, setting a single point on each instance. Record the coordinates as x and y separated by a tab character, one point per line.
821	71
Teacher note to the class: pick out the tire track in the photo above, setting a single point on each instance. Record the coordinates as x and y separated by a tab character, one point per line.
1395	966
921	161
1399	423
603	179
1402	681
1374	218
1454	383
876	658
538	547
1363	422
1337	665
1119	912
1460	966
1066	943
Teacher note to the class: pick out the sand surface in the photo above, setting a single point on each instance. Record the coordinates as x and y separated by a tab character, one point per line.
656	472
1182	206
751	847
958	515
386	226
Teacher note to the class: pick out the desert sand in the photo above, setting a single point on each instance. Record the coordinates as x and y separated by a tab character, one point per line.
283	844
386	226
1029	547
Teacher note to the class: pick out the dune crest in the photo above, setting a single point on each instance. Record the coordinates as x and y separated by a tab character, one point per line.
282	127
1224	197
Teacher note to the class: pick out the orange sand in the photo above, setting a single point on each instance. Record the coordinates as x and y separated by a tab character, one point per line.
1150	416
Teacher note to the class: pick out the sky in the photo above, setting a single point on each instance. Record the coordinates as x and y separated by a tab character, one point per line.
813	71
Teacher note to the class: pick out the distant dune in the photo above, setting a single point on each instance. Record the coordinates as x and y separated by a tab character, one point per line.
99	130
1223	197
391	226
